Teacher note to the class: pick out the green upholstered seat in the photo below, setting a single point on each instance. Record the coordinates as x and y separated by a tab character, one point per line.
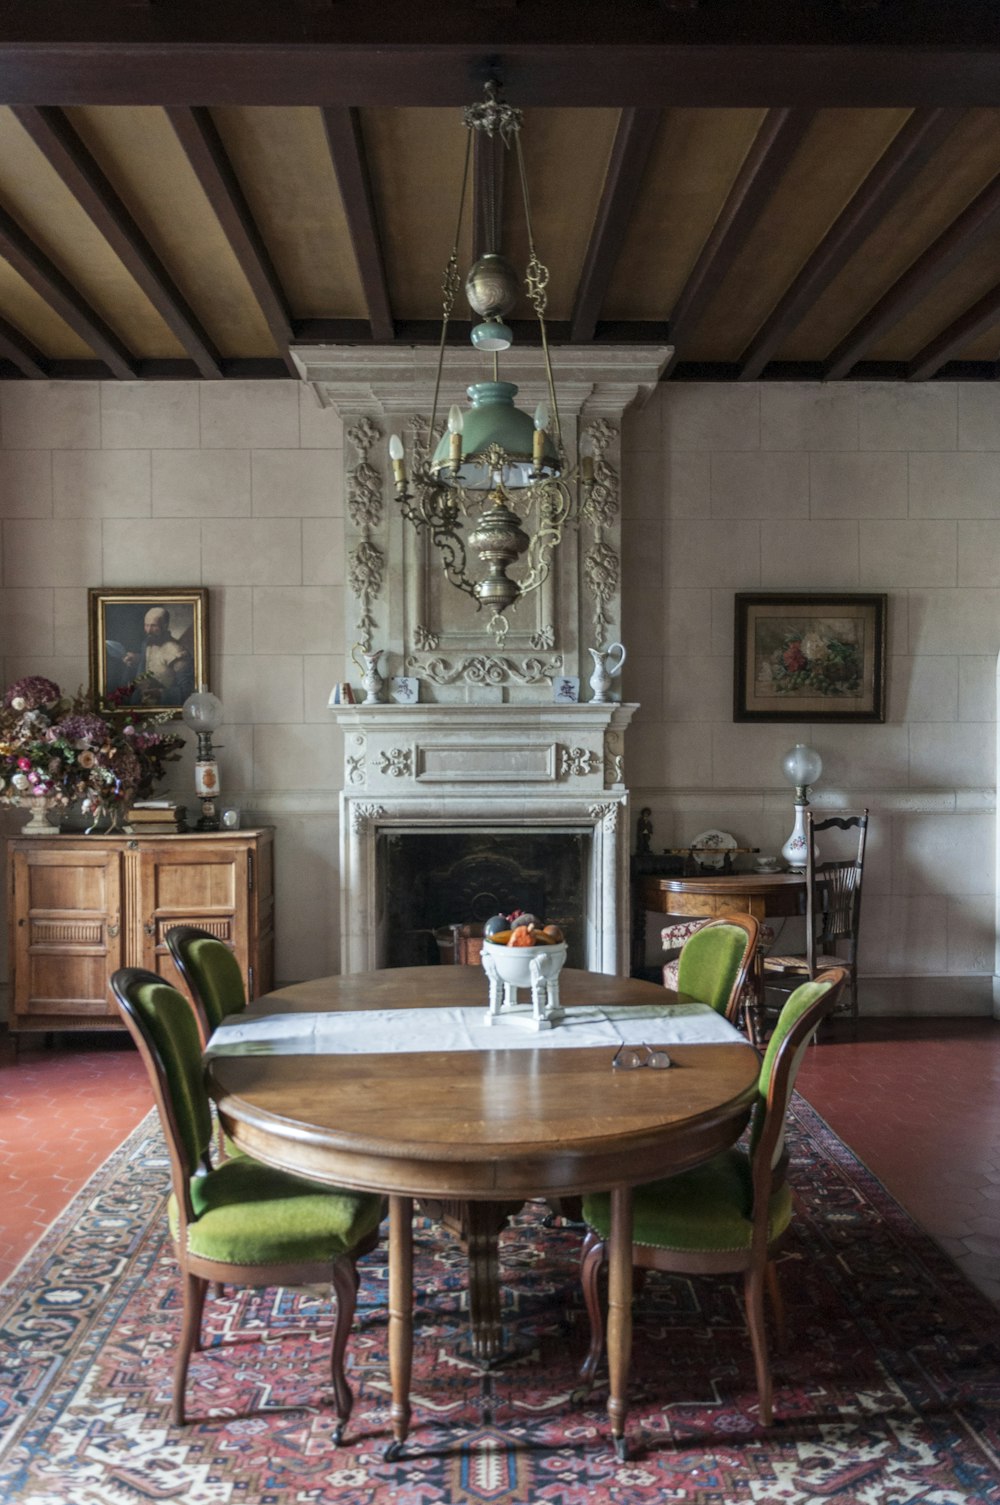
250	1214
729	1214
710	1207
707	1208
710	963
211	973
239	1222
220	981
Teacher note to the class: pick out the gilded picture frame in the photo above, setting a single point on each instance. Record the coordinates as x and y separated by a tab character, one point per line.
809	657
148	646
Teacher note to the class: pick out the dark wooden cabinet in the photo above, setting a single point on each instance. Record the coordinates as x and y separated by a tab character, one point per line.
82	906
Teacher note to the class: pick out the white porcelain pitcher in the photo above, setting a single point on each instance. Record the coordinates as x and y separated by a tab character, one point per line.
604	671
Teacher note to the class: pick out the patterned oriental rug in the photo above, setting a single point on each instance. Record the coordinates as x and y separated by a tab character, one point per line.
890	1394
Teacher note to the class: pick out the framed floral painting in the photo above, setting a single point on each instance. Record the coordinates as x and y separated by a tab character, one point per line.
809	657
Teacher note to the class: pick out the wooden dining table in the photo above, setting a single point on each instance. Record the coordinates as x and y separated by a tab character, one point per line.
510	1119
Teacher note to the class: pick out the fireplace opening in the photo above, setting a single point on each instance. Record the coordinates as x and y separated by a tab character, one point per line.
428	882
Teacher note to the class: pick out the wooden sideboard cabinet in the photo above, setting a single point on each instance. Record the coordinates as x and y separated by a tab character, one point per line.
80	906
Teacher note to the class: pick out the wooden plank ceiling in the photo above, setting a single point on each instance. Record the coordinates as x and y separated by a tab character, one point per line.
823	221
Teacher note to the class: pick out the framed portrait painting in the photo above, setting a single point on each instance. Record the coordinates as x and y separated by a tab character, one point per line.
809	657
148	647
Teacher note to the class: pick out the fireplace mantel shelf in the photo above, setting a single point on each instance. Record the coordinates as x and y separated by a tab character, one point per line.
418	719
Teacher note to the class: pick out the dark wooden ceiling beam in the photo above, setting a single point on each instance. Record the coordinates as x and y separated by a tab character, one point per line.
67	154
982	316
895	170
347	152
21	353
550	53
626	166
773	147
202	144
918	280
58	292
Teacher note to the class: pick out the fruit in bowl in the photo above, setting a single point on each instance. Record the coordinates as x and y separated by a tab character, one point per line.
520	929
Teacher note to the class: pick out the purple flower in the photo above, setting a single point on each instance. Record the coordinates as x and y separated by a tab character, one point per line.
83	729
31	692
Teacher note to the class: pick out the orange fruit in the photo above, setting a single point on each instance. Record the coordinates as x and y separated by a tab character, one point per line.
522	936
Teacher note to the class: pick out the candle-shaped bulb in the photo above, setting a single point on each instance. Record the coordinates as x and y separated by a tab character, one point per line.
397	456
538	438
456	423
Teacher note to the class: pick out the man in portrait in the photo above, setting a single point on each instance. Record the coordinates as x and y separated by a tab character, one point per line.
163	663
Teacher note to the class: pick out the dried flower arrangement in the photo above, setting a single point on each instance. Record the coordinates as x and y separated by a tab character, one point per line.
60	748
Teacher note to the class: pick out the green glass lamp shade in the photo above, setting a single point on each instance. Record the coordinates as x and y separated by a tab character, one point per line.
493	419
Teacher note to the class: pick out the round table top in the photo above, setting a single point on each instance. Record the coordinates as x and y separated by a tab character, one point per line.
479	1124
730	883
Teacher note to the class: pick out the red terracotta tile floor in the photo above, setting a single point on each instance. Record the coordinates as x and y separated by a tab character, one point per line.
917	1100
62	1111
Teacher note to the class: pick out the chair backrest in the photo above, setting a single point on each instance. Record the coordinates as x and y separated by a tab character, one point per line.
802	1014
833	889
211	973
161	1022
715	961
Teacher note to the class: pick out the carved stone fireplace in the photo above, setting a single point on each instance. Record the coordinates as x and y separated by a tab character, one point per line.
487	748
522	769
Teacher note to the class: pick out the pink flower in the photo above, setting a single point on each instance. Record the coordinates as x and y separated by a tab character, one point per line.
24	763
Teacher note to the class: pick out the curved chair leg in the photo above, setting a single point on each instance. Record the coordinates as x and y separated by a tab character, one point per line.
345	1289
777	1305
593	1257
194	1289
753	1286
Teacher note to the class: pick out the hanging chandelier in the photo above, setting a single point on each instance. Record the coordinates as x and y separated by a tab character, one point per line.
497	486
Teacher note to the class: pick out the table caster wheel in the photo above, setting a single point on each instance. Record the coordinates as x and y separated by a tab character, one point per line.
393	1452
621	1449
338	1433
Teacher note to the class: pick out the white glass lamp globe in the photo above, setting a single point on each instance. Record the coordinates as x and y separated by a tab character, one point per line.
802	765
202	711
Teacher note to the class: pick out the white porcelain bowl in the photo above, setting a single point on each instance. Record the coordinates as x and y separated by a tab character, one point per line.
513	963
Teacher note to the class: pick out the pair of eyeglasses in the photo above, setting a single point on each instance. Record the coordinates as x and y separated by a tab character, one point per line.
631	1057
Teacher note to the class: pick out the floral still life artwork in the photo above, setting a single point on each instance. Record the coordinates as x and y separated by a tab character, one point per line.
59	749
810	658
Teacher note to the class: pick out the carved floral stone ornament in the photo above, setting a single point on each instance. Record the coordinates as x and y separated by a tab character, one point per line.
498	489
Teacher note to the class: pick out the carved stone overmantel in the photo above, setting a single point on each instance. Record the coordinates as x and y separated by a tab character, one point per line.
397	598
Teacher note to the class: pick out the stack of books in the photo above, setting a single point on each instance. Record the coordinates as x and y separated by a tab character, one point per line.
157	818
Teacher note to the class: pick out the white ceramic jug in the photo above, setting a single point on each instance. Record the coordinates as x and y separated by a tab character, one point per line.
604	673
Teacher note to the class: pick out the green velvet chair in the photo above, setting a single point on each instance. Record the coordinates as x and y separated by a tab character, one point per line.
240	1222
730	1214
211	974
716	961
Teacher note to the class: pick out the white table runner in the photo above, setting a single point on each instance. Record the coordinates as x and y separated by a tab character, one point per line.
398	1031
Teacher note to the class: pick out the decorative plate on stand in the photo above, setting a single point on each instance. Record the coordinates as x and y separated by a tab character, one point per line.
710	847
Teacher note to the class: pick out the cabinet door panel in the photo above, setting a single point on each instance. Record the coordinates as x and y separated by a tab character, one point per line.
66	930
205	886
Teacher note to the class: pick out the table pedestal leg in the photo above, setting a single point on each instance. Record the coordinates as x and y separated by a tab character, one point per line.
483	1221
400	1319
478	1225
619	1312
